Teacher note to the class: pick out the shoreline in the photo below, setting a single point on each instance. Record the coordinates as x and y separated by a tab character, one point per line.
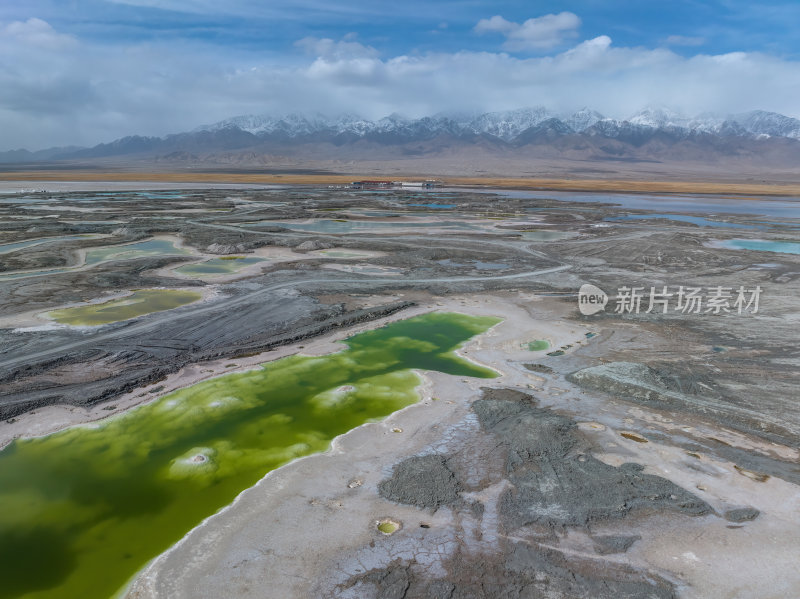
56	418
236	180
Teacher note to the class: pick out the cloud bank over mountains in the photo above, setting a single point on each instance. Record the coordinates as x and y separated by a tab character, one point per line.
60	89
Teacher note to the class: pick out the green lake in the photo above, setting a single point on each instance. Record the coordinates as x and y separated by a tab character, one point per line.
139	303
84	509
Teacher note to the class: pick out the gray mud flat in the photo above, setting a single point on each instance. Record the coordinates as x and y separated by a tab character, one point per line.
82	367
643	384
117	363
524	478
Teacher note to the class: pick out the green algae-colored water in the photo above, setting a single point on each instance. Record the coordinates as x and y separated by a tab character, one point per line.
139	303
83	510
539	345
388	527
218	266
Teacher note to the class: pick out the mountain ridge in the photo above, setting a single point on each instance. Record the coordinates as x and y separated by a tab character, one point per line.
653	133
508	124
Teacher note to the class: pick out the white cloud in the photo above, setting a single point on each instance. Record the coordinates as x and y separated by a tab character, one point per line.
496	24
329	49
540	33
35	33
57	90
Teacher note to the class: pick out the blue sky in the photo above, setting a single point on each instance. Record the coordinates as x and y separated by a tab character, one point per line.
716	26
85	71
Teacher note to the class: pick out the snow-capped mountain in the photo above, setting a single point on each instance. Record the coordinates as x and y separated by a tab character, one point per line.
759	122
659	118
647	134
292	125
507	124
510	124
583	119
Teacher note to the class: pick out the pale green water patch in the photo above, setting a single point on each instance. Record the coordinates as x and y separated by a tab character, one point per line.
130	251
388	527
538	345
226	265
83	510
141	302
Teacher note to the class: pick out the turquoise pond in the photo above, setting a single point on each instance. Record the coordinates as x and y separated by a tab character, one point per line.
761	245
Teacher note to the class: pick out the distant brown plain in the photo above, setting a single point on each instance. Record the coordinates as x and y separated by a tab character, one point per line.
550	184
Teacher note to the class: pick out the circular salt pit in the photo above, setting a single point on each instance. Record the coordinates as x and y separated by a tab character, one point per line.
388	526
